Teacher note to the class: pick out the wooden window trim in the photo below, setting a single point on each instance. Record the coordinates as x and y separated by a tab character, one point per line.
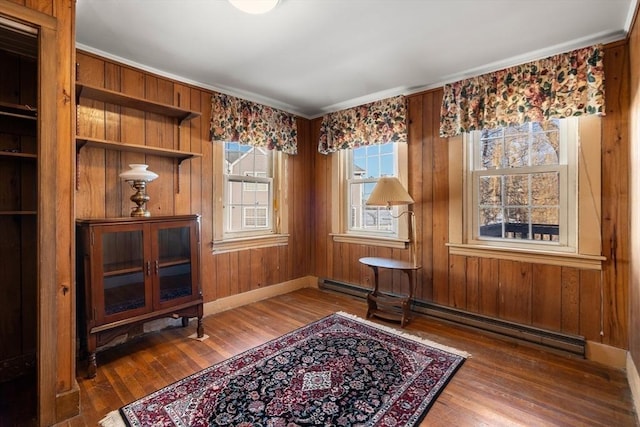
278	235
340	199
253	242
586	255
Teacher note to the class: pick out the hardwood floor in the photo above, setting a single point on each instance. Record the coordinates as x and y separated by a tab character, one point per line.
502	384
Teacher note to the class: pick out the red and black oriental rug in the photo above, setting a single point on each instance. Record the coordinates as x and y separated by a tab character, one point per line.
338	371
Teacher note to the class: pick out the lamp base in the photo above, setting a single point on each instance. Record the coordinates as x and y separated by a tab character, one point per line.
140	212
140	198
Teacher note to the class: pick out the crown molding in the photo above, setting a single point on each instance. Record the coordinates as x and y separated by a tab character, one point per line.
249	96
604	37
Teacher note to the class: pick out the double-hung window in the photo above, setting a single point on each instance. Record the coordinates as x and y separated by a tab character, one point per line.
361	168
248	190
249	208
365	165
522	185
528	193
249	179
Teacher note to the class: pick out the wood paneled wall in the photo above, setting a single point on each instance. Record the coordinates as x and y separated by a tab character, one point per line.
634	193
615	197
102	194
585	302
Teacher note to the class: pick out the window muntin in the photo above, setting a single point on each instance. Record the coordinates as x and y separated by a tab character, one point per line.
255	217
248	195
521	185
252	186
365	165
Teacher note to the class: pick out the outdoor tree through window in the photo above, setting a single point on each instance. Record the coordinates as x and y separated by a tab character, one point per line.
520	177
529	192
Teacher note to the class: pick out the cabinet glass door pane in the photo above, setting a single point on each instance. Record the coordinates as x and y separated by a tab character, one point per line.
123	270
174	263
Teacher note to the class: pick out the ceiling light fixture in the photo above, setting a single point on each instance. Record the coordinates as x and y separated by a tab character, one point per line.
255	7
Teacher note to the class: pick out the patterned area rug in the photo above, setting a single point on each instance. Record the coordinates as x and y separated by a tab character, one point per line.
338	371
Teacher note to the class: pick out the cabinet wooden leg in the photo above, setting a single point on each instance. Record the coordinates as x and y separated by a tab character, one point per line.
92	369
200	329
185	321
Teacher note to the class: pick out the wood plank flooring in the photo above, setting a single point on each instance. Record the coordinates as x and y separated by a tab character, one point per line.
502	384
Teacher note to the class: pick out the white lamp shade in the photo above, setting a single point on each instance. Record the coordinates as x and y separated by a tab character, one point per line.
138	172
254	7
389	191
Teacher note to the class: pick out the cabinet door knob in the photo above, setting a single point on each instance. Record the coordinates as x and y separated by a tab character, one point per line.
148	268
157	267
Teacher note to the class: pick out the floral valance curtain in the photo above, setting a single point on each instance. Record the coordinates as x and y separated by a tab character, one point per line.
569	84
378	122
238	120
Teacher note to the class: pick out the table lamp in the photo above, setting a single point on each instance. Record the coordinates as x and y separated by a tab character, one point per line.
388	192
137	177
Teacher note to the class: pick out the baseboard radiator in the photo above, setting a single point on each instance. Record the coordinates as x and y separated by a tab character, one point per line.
527	334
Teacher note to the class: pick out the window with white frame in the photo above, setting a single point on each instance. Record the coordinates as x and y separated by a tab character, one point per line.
248	190
521	186
364	165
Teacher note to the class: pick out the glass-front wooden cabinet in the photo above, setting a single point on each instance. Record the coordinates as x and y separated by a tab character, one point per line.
136	270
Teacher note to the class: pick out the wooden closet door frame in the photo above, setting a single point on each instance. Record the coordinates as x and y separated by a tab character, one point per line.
47	220
47	27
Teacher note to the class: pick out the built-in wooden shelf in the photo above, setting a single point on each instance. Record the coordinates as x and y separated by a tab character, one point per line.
88	91
18	111
83	141
18	213
84	90
18	154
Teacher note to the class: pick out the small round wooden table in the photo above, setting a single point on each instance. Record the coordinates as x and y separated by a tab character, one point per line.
390	307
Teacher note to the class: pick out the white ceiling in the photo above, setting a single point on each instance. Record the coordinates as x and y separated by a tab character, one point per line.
310	57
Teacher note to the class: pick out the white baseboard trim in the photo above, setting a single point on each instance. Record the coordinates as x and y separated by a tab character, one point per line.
607	355
634	382
233	301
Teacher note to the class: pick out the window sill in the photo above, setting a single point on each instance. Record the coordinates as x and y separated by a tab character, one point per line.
588	262
358	239
253	242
